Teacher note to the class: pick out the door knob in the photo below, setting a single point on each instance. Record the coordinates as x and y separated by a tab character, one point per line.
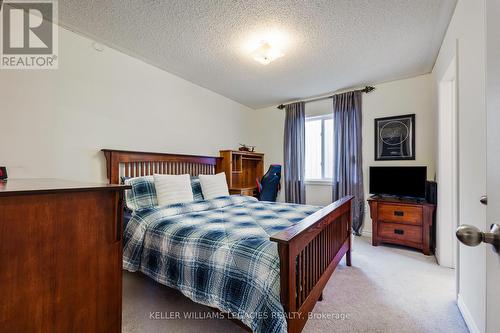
472	236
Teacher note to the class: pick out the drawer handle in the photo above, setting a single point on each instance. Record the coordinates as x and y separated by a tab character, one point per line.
399	213
399	232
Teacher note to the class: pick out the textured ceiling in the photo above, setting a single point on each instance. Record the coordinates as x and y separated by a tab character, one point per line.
330	44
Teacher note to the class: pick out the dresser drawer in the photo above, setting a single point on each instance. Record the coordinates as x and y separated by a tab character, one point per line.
244	191
402	232
248	192
400	214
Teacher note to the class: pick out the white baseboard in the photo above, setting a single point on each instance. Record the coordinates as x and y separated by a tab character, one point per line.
471	324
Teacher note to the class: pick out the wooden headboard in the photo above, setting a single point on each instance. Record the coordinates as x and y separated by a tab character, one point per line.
136	164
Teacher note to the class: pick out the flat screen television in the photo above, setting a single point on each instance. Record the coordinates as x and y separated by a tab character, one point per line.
398	181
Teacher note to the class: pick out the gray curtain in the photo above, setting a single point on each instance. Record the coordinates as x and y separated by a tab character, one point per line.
347	164
294	153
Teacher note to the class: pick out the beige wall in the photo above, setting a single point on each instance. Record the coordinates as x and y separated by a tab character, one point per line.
414	95
54	123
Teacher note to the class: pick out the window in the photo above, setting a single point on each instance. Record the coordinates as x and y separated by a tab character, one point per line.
319	148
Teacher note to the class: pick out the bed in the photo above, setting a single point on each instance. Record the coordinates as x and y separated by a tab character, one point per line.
264	264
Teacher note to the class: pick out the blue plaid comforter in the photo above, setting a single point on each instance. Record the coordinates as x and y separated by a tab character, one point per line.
216	252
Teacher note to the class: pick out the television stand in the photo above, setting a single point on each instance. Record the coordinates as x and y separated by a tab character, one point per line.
402	221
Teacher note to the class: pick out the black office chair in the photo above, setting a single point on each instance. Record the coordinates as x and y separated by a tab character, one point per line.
270	184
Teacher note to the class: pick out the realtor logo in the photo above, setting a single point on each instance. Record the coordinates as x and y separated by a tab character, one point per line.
28	34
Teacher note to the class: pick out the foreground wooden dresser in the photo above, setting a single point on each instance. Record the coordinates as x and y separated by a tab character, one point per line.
403	222
61	255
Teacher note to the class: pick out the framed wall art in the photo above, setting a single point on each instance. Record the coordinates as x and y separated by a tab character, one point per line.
395	138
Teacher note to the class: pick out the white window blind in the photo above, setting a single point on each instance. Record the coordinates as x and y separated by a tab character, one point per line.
319	148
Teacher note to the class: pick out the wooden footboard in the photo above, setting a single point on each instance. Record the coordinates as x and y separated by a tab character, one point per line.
309	253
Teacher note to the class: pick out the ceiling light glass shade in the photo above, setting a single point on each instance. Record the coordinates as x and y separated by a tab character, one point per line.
266	53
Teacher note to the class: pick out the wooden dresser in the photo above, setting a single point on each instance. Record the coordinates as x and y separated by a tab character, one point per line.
404	222
241	168
61	252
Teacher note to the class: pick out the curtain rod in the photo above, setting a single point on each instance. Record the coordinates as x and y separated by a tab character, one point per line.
366	89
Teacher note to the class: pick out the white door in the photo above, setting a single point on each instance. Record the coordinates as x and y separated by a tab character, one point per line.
479	267
493	160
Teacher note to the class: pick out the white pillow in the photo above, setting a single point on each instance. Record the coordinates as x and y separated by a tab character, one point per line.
172	189
214	186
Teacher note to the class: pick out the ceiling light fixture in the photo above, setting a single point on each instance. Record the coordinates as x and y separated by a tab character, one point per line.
266	53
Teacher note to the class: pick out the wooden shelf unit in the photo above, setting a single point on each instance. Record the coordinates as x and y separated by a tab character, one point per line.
241	169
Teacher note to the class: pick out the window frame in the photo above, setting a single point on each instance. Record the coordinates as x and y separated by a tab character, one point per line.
322	180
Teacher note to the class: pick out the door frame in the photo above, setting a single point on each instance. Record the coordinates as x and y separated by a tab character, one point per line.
448	172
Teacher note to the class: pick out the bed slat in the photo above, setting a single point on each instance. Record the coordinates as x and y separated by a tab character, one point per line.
309	252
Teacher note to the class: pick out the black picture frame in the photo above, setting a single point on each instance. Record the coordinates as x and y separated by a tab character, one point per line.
395	138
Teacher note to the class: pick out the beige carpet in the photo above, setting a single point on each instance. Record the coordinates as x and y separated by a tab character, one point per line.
388	289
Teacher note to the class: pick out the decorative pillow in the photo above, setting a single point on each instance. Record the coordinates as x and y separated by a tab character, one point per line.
172	189
214	186
196	187
143	193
